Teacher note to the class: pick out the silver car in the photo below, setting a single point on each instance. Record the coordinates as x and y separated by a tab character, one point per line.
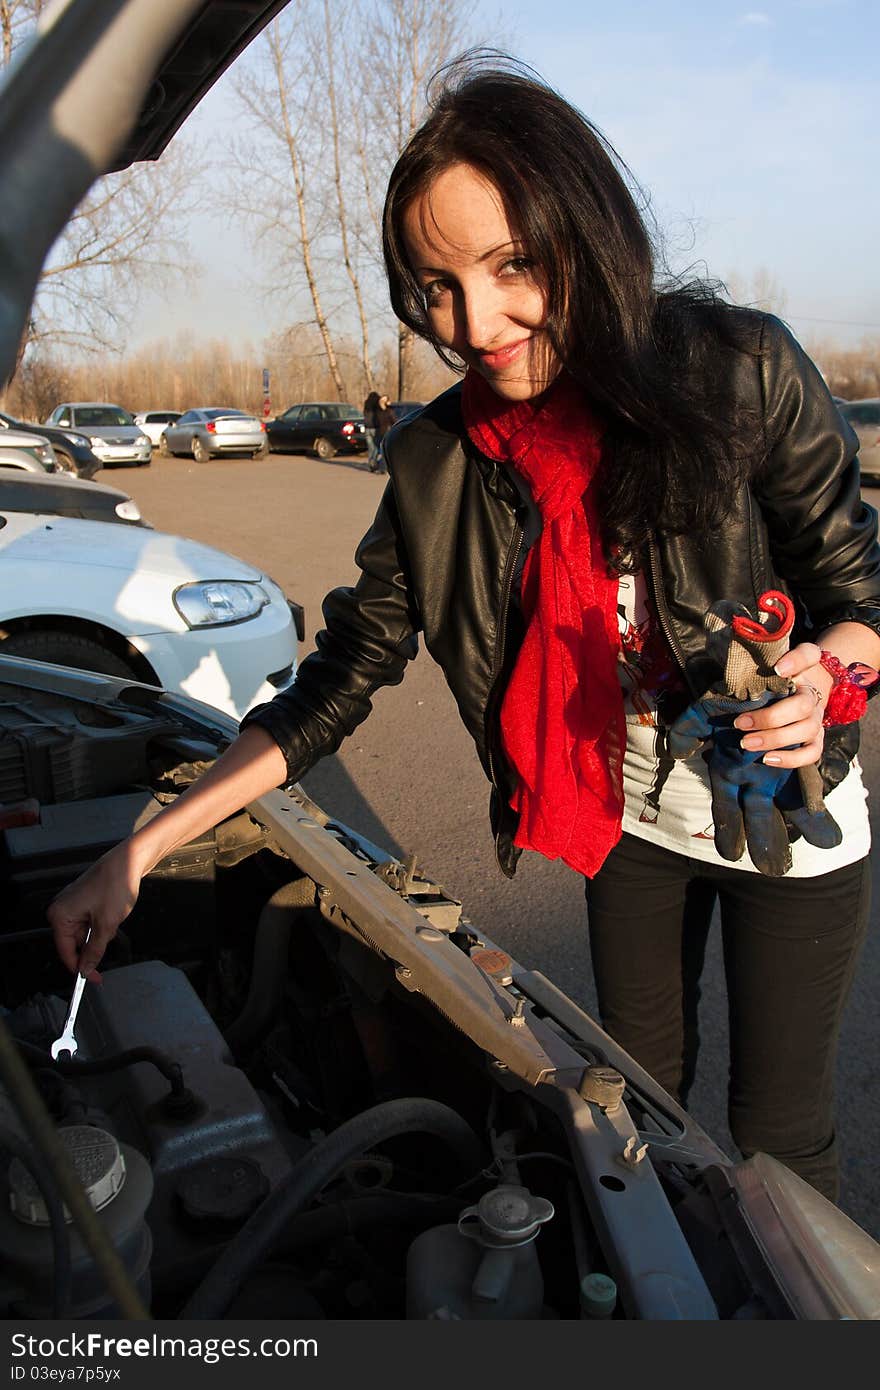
214	430
27	451
112	433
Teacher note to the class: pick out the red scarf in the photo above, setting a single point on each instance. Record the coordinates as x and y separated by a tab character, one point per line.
562	720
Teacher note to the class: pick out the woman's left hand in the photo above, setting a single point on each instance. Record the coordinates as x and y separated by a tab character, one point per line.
789	733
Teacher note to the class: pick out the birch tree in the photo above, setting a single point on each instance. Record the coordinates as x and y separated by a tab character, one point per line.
330	100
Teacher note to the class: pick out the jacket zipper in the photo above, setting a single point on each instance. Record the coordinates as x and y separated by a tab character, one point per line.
500	644
663	612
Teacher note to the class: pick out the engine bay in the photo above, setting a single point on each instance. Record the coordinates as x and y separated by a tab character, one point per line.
307	1086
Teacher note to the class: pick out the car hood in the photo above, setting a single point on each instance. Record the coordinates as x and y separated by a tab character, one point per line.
127	433
72	541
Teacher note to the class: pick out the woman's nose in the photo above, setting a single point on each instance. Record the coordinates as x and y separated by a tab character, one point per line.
481	316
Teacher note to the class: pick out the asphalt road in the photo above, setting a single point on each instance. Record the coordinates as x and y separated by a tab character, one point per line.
409	779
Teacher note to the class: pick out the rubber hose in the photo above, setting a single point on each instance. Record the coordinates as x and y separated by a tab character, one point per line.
38	1122
97	1066
354	1213
42	1176
269	968
253	1243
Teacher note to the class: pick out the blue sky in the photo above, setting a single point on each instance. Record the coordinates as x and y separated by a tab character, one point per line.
754	131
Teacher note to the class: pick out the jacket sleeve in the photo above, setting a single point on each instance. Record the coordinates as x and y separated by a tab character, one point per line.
822	534
370	633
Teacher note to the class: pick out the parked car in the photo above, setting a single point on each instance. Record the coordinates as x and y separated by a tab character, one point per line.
112	433
153	422
29	451
402	408
212	430
347	1101
325	427
130	601
864	416
64	494
73	453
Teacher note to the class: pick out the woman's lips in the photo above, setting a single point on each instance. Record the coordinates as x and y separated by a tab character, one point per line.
502	357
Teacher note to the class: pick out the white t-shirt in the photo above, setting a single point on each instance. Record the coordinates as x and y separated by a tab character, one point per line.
669	802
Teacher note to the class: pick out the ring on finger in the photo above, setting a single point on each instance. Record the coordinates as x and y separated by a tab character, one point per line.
817	694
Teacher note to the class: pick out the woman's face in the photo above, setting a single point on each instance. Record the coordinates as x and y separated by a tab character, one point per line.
485	298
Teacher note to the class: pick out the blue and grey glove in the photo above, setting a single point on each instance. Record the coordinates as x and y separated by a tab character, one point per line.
753	805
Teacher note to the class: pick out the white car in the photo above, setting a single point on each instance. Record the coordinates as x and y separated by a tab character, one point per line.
153	422
129	601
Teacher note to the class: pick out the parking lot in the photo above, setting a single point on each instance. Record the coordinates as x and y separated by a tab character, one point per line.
409	779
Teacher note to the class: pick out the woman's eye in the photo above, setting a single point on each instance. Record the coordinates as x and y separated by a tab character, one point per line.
434	292
518	265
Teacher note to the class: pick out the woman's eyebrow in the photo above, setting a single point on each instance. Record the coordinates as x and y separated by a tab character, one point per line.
483	256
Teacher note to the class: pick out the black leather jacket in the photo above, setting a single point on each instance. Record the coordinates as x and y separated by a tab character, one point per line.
441	556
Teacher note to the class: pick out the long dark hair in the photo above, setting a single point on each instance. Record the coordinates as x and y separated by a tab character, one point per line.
647	357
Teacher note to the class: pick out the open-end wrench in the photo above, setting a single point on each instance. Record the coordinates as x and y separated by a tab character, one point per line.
67	1041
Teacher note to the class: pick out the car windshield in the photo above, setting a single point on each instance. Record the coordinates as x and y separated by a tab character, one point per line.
216	414
98	416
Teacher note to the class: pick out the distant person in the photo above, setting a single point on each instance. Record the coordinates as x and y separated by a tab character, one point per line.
371	405
622	456
385	418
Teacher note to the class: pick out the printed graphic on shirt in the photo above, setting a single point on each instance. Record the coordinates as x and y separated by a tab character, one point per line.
653	690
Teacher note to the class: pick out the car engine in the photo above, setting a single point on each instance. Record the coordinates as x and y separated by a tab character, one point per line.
274	1111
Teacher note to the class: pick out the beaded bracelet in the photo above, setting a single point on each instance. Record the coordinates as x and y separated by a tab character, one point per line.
849	693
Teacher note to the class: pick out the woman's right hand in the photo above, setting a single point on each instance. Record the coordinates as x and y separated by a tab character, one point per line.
101	898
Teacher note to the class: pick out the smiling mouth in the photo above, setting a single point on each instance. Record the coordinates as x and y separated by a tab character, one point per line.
502	357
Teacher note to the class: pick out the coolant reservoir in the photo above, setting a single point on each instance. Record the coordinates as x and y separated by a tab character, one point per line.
119	1185
484	1267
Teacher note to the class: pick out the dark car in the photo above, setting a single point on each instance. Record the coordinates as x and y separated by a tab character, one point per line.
326	427
60	494
864	416
72	450
402	408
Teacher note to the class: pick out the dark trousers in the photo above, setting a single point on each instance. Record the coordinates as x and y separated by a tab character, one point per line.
790	949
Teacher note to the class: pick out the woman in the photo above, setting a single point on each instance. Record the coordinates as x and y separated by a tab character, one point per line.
371	405
385	418
617	461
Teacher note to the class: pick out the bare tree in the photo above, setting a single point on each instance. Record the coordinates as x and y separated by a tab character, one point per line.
339	91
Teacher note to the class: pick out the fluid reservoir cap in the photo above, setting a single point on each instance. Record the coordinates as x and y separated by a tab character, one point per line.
506	1215
223	1191
99	1165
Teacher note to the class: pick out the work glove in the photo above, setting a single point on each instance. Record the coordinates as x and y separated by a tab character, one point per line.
753	804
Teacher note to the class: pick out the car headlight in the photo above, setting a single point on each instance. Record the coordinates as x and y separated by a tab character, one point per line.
128	510
218	602
45	453
826	1266
96	441
80	440
145	442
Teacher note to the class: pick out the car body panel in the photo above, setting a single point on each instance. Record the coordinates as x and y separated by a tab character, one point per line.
65	494
36	446
22	460
124	579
